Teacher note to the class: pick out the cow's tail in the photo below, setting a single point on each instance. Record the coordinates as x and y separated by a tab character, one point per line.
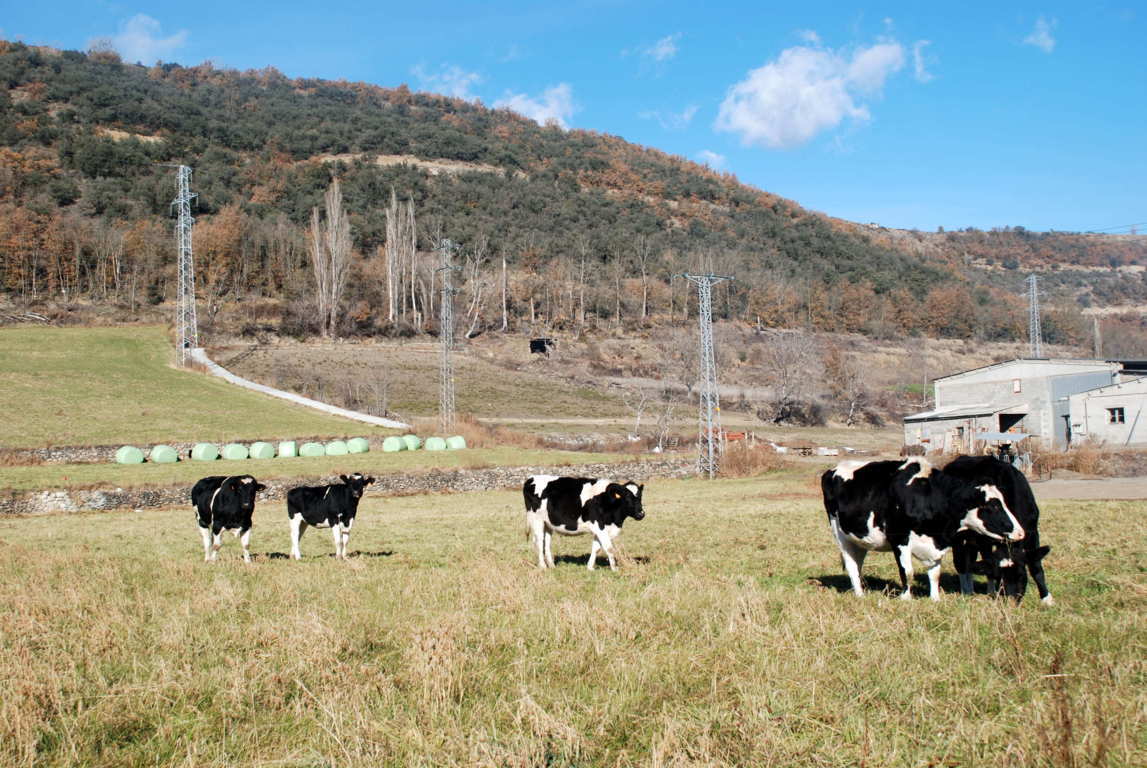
828	490
533	503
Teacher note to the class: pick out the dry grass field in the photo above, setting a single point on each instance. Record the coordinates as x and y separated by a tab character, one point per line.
725	639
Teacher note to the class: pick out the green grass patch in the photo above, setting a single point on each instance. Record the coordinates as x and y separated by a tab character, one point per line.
727	638
57	476
103	386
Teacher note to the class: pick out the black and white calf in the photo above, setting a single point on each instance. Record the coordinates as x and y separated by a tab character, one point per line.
326	506
225	504
1006	564
912	509
577	505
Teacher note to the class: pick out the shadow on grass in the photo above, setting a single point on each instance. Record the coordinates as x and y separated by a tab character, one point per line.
949	582
602	560
356	553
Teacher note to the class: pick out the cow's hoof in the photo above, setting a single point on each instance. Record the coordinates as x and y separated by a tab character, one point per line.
905	595
1048	601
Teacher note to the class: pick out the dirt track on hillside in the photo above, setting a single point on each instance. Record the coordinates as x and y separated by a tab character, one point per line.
1091	489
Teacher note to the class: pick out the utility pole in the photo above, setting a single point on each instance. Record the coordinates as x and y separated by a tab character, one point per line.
1035	335
446	339
187	322
1098	337
710	438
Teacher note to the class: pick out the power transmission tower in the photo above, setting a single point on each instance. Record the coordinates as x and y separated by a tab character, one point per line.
446	339
710	437
187	321
1035	335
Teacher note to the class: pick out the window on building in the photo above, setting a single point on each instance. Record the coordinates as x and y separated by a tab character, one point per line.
1016	386
1115	416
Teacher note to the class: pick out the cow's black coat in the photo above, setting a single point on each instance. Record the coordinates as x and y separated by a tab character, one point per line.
1021	558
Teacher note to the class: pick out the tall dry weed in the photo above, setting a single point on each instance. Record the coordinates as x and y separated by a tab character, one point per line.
743	460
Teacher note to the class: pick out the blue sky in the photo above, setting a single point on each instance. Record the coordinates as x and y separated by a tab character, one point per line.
905	113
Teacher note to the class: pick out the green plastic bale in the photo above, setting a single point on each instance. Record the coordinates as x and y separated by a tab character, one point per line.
235	451
435	444
312	449
205	452
288	449
163	454
261	450
129	454
336	448
455	443
358	445
393	444
413	443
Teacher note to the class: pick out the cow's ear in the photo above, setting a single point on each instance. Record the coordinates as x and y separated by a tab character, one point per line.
344	478
369	480
260	487
640	488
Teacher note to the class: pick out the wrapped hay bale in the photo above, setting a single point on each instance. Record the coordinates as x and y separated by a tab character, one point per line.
205	452
235	451
261	450
288	449
435	444
163	454
312	449
455	443
358	445
129	454
393	444
413	443
336	448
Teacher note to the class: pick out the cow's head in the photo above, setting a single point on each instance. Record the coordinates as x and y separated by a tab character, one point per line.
986	513
626	499
1008	567
357	483
245	488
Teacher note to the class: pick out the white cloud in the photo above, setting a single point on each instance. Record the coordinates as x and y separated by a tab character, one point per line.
671	121
920	66
1041	37
712	159
450	80
555	105
139	40
809	36
664	49
807	90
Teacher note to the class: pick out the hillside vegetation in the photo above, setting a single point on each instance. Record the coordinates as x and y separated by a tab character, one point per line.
591	228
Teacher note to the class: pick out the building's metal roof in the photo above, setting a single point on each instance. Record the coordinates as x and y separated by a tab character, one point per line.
1030	360
966	412
1117	385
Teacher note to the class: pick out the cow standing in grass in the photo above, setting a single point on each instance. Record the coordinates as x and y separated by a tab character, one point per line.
912	509
225	504
578	505
1006	564
326	506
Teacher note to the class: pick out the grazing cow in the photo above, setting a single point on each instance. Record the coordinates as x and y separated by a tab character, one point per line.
576	505
333	506
1007	566
225	504
911	509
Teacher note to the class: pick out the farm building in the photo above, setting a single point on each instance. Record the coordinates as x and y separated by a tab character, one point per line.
1112	414
1024	396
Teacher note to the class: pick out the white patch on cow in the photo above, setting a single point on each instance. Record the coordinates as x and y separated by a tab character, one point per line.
245	540
992	492
336	534
846	469
852	554
1047	600
874	539
206	534
924	549
298	525
1007	563
589	490
211	504
923	471
541	481
216	543
246	480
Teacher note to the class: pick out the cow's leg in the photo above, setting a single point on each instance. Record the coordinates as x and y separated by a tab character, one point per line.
206	534
593	548
852	556
337	535
607	545
245	540
548	543
934	580
964	557
346	537
1035	567
298	525
216	543
536	530
904	564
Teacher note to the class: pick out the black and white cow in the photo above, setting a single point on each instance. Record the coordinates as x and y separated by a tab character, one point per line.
576	505
1007	565
326	506
225	504
912	509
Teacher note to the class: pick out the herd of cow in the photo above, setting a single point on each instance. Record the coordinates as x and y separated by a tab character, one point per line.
976	506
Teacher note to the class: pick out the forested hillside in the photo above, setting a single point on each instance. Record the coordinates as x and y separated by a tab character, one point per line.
589	228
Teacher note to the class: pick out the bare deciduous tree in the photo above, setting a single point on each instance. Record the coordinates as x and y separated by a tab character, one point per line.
330	257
